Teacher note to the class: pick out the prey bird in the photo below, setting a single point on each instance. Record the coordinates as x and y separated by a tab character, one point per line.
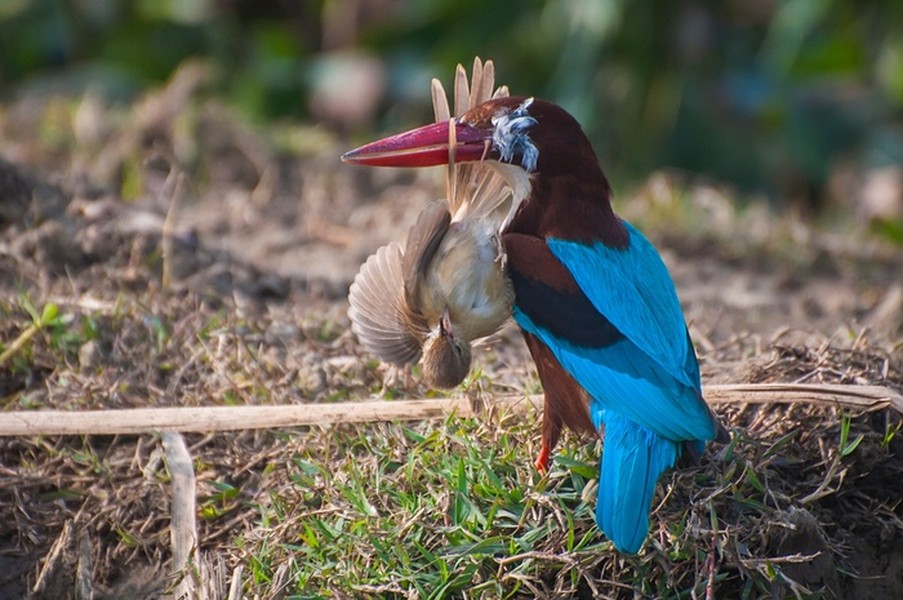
447	285
595	302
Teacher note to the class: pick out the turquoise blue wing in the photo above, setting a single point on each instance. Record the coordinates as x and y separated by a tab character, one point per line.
632	287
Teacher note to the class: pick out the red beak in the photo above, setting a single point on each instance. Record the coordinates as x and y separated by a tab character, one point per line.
425	146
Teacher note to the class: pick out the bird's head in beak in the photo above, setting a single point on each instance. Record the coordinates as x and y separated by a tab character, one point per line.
495	130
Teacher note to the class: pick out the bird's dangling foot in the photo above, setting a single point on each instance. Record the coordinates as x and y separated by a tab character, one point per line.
542	463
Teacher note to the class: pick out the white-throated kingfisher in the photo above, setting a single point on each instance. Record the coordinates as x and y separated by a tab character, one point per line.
593	298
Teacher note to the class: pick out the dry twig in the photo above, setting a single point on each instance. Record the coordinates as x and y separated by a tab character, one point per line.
231	418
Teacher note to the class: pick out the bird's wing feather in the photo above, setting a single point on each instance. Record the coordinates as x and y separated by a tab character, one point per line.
482	92
623	380
618	374
482	194
633	289
423	240
462	91
440	101
379	315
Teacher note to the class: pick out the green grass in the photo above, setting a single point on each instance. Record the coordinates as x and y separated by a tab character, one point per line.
455	509
431	510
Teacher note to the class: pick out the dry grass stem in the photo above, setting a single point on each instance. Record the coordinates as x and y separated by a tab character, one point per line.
183	530
231	418
84	579
54	566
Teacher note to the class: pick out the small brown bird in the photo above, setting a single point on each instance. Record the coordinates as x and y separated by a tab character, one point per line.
447	285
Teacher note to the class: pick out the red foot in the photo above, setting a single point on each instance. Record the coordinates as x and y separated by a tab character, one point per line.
542	463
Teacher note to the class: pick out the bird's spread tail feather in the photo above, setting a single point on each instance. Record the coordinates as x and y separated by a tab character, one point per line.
633	458
475	191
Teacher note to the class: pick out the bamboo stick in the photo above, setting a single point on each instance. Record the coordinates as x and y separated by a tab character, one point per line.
231	418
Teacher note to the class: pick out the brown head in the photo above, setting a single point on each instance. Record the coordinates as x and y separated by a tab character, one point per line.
446	357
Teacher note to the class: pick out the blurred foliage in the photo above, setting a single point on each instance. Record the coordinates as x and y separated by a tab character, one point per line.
769	95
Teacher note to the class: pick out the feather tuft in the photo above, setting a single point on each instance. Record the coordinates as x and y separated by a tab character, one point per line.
510	136
475	190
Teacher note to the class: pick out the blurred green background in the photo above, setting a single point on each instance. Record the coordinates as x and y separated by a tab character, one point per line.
774	97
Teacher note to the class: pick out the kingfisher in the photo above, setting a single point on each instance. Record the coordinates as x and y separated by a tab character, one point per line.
593	298
447	285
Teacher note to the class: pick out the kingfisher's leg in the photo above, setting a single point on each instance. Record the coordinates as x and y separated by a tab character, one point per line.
542	463
551	431
564	400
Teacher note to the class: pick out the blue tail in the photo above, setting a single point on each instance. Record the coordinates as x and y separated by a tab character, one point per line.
633	458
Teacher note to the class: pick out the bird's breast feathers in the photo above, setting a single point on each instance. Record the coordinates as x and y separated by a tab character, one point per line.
471	280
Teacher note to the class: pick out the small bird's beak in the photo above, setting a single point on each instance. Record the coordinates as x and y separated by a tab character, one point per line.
445	325
425	146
